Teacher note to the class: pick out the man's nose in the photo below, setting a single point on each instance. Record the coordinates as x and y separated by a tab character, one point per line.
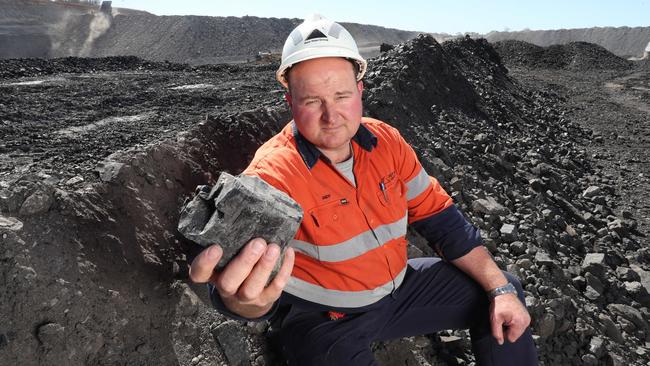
327	112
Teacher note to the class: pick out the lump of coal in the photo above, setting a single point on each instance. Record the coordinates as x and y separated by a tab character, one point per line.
236	210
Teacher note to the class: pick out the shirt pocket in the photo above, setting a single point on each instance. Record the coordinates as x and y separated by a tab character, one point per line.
326	215
330	222
393	194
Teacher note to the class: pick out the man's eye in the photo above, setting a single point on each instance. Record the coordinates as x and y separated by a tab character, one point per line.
311	102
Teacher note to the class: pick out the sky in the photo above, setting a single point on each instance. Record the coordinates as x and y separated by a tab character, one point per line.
424	15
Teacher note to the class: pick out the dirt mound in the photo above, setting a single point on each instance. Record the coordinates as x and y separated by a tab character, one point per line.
578	56
622	41
96	272
50	30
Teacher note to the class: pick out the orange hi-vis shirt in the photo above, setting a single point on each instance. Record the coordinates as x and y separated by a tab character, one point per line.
351	245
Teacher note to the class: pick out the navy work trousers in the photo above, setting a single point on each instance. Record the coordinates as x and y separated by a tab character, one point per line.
434	296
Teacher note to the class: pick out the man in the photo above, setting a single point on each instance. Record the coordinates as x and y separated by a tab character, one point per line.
345	281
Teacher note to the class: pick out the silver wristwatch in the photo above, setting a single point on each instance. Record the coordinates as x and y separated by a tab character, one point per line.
508	288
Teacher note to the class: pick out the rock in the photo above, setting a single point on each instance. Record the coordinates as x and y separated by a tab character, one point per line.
74	180
525	263
594	263
627	274
594	282
633	287
629	313
517	248
10	224
11	199
579	282
456	184
258	327
189	302
583	328
537	184
109	170
589	360
51	335
591	293
615	360
591	191
545	326
515	270
570	231
596	346
488	206
231	336
644	276
438	168
385	47
618	227
490	244
541	258
508	232
451	341
610	328
236	210
38	202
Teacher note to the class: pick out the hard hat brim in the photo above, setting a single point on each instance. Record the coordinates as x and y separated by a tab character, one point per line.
319	52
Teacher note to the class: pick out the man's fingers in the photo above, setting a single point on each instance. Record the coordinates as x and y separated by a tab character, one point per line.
517	328
497	329
274	290
514	331
204	263
254	284
236	272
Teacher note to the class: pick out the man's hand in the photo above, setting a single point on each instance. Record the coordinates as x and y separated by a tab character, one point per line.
242	284
506	311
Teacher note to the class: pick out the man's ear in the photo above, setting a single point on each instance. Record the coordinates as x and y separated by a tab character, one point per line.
360	86
287	97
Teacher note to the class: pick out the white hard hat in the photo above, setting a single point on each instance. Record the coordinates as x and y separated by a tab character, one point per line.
318	37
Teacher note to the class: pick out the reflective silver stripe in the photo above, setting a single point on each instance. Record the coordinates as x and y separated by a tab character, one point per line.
417	184
354	246
338	298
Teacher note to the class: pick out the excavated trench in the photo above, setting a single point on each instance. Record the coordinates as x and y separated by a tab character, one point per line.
96	160
98	277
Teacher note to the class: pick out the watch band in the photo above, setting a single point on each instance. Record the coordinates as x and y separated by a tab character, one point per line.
508	288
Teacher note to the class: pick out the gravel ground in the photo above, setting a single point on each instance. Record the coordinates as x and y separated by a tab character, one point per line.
616	107
62	117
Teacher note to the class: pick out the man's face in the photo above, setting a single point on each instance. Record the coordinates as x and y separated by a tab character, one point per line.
325	101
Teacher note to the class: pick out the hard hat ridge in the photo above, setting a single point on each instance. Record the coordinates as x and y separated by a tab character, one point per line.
318	37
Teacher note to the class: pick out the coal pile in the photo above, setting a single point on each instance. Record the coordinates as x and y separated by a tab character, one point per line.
516	166
95	271
32	67
60	29
622	41
578	56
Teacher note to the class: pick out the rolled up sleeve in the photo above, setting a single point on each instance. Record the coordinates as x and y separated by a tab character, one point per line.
449	233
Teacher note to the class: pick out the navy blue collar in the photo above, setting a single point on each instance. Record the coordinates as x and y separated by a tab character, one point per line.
310	154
